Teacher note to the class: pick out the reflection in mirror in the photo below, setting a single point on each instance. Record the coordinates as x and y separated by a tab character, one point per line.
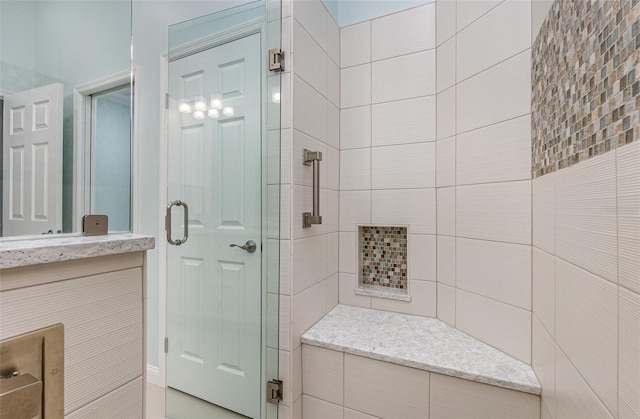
65	114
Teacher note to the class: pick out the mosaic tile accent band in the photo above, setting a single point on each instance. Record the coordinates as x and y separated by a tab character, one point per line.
383	256
585	82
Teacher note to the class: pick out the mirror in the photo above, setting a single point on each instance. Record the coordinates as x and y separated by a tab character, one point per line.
66	93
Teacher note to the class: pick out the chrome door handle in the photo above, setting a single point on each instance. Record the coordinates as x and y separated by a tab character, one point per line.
250	246
167	223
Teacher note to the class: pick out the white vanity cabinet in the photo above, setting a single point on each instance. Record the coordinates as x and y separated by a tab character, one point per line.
101	302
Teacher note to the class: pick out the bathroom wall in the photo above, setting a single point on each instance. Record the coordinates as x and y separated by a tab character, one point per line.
310	120
586	211
483	171
387	147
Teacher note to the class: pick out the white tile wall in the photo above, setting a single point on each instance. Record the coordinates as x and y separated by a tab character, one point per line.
495	211
355	127
400	391
574	398
501	33
333	40
353	414
497	94
501	271
333	82
422	257
348	283
446	65
355	169
446	118
628	187
308	307
323	373
403	32
403	166
447	304
543	359
544	212
629	363
445	20
544	289
497	153
403	121
313	16
447	260
446	162
446	198
348	259
420	214
403	77
355	86
470	10
586	317
355	44
423	300
306	62
586	216
355	208
313	408
506	327
457	398
310	110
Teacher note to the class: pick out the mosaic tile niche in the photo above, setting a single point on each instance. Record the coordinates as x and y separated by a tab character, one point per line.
585	82
383	257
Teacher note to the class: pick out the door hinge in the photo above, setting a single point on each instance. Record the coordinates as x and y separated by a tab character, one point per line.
166	100
276	59
274	391
166	345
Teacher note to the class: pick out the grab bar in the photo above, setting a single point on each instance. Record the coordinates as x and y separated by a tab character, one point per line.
313	158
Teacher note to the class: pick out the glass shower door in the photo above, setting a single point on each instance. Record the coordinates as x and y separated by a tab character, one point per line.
217	304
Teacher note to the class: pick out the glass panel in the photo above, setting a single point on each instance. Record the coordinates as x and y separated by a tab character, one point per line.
111	157
223	165
51	53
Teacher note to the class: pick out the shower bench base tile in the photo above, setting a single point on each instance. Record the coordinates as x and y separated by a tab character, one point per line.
370	363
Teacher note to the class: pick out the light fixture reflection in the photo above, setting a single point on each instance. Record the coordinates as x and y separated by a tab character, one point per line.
216	103
275	97
184	107
213	113
228	111
199	105
198	114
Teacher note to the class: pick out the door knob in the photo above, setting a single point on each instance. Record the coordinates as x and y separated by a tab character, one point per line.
250	246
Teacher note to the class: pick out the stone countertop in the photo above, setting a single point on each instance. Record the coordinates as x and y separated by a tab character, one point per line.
36	250
419	342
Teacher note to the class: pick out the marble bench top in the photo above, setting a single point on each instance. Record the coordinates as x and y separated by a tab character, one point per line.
419	342
35	250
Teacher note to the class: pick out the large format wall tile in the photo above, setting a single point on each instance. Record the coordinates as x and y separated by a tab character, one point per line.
501	33
323	372
469	11
544	212
586	318
543	360
544	289
355	44
404	32
497	153
404	121
501	271
586	216
310	110
629	362
457	398
384	389
413	207
629	216
499	93
309	60
403	166
503	326
496	211
574	398
404	77
355	86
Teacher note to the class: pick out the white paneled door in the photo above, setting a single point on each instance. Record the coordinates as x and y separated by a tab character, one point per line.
214	166
32	161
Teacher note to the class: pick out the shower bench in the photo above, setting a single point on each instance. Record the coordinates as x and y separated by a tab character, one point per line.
363	363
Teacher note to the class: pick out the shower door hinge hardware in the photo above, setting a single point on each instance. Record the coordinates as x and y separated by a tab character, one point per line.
166	100
166	345
276	59
274	391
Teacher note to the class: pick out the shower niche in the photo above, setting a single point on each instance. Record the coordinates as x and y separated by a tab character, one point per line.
383	268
